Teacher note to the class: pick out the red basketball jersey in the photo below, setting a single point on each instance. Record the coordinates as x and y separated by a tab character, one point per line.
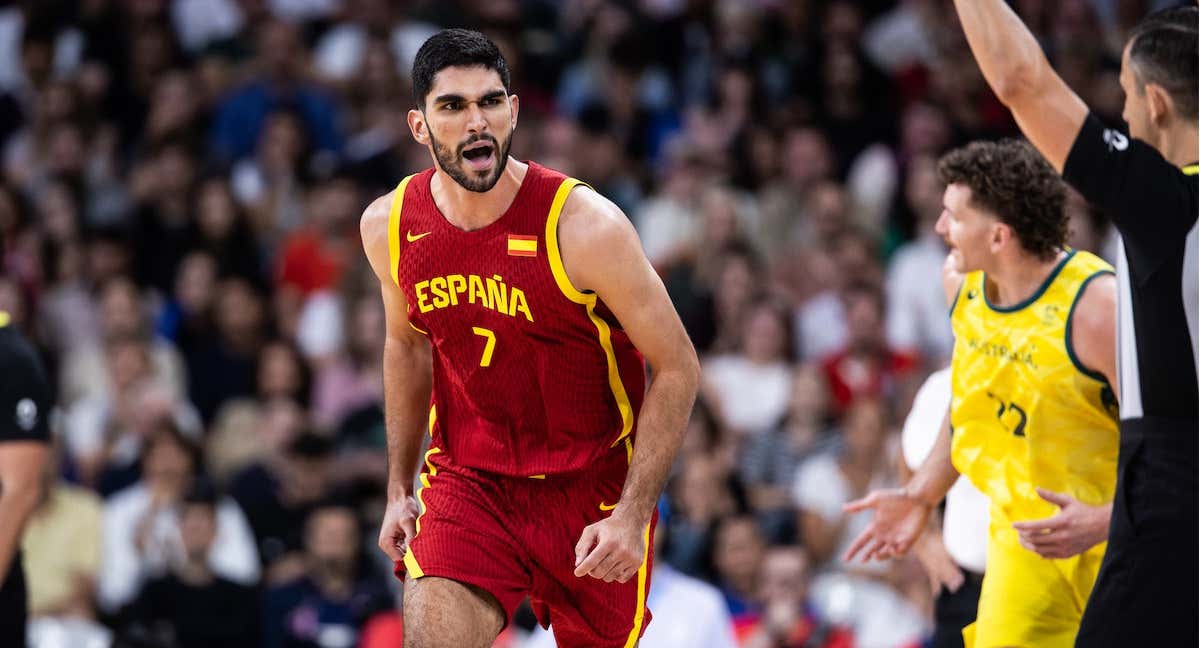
530	375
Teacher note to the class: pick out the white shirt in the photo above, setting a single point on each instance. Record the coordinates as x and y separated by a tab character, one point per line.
820	325
917	316
687	613
752	397
123	571
821	489
965	527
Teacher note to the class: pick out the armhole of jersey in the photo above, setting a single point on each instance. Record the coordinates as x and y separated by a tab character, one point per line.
1095	375
552	252
962	285
394	230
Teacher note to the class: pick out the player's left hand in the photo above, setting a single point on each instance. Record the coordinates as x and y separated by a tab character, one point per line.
1077	527
611	549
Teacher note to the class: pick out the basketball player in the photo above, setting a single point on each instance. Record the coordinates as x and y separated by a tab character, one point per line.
1146	181
1032	418
519	307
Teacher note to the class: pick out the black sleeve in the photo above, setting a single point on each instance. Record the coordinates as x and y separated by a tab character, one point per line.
24	391
1147	197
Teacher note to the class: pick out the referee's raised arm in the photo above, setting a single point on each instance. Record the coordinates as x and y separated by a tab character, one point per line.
1146	181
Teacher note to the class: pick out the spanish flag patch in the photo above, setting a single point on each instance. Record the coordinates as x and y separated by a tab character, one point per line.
522	245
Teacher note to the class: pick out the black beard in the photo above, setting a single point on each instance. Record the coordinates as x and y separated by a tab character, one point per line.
452	163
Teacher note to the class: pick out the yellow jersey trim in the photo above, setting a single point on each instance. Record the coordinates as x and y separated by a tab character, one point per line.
410	565
1191	169
588	300
417	329
432	419
425	484
556	265
640	616
394	229
5	318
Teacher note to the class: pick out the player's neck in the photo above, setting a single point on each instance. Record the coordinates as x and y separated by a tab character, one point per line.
1017	280
472	210
1178	143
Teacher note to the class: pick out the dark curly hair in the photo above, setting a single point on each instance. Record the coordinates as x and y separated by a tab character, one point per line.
455	48
1013	182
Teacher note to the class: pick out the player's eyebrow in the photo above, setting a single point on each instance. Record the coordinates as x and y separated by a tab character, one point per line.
457	98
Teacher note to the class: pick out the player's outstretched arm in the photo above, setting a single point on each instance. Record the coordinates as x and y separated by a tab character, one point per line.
1049	113
901	514
601	252
407	379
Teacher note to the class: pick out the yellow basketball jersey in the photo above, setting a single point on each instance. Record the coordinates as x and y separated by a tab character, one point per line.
1025	413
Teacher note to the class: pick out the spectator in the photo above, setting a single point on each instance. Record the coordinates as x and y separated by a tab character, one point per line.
917	324
61	570
279	493
866	367
769	461
141	526
861	597
737	556
191	606
789	618
333	599
749	390
279	82
122	315
222	367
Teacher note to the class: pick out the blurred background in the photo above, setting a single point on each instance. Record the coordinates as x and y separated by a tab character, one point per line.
179	203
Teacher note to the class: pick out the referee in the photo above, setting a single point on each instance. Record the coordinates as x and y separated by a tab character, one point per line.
1146	181
24	406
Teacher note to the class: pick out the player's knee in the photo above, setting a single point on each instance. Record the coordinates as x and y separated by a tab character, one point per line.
440	613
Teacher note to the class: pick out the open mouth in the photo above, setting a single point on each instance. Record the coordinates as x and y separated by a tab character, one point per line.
478	155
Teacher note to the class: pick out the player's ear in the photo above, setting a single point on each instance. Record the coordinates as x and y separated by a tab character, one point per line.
1158	104
515	102
1001	234
418	126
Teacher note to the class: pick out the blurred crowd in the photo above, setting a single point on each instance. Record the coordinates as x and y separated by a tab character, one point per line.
179	203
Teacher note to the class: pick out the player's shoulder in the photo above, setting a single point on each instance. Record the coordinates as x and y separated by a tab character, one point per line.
588	215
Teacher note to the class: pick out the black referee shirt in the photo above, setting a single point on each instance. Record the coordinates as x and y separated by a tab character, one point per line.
1153	204
24	403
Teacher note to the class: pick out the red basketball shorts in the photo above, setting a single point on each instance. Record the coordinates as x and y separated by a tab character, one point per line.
516	536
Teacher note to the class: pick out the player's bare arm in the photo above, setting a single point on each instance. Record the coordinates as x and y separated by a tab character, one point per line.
1078	527
407	371
21	465
601	253
1049	113
901	514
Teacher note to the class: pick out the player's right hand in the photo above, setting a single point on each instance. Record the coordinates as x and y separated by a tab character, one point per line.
899	520
399	527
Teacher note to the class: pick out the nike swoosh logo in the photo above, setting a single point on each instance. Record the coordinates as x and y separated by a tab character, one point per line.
607	507
418	237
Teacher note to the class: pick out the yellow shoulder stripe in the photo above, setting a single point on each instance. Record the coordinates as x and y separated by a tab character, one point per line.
588	300
394	229
552	251
1191	169
4	319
